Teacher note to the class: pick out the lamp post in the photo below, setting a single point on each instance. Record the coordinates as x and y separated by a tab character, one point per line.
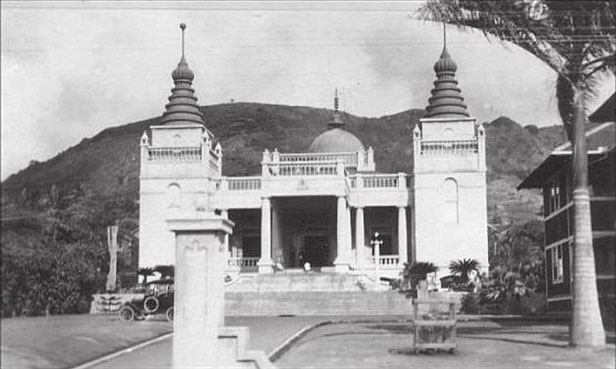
376	244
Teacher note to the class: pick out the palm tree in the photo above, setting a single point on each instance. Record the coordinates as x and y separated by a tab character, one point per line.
146	272
577	40
463	268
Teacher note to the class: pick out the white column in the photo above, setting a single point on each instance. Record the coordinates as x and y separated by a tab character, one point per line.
360	241
225	214
348	233
402	237
265	263
343	255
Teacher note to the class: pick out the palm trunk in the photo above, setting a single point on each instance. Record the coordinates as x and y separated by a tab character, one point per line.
586	328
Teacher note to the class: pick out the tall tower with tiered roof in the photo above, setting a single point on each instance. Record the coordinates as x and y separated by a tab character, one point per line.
449	177
178	167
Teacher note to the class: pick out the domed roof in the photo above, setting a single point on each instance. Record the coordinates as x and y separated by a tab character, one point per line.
336	140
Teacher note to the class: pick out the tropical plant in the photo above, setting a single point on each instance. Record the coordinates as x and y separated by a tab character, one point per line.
463	268
411	275
577	39
146	272
166	271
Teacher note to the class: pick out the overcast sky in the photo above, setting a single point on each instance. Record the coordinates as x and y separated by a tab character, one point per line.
70	70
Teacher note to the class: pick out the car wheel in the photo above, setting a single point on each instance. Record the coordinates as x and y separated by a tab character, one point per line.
169	314
127	313
150	304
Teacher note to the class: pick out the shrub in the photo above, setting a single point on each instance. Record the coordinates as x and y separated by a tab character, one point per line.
411	275
470	303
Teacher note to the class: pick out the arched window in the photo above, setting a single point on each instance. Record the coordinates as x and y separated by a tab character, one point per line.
450	197
174	192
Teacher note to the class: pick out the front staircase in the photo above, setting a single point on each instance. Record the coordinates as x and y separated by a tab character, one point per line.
313	293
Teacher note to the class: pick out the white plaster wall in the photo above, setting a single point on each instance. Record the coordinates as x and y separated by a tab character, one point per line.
176	136
440	241
156	203
448	130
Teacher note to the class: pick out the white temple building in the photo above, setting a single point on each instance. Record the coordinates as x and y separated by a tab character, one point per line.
323	206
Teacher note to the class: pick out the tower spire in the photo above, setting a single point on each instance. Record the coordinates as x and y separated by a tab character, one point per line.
182	27
182	107
444	35
336	99
336	122
446	99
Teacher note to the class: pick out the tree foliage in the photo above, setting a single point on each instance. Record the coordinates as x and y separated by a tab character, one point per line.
56	261
574	38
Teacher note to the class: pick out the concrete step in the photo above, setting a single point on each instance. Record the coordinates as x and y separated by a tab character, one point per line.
315	303
300	282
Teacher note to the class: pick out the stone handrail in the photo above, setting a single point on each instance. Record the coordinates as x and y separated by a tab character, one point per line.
379	181
388	260
174	153
242	261
449	147
306	168
349	158
239	184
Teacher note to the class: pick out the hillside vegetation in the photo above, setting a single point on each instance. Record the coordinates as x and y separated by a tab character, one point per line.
108	163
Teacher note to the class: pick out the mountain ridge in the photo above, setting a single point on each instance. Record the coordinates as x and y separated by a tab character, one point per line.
108	162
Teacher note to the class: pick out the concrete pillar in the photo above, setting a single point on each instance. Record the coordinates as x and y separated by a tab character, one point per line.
402	236
348	232
199	289
225	214
344	247
276	237
265	263
360	241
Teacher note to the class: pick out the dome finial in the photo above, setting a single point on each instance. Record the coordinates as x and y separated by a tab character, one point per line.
336	99
336	122
182	27
444	35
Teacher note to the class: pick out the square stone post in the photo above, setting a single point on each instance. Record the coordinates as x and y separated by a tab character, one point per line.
342	240
199	289
402	236
360	247
265	263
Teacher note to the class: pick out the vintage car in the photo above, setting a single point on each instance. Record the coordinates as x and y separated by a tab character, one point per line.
157	299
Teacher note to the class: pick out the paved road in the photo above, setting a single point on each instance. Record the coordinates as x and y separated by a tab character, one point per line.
66	341
480	345
266	333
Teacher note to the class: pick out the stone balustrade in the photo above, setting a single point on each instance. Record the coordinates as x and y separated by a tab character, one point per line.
388	260
379	181
239	184
242	262
449	147
306	168
160	154
349	158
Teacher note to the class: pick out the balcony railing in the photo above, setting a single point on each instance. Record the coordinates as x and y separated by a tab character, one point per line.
379	181
449	147
239	184
349	158
388	260
242	262
321	168
174	153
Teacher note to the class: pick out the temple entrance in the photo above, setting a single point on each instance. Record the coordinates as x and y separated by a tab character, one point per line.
315	251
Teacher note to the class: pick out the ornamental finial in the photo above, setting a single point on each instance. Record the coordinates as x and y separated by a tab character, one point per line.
182	27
